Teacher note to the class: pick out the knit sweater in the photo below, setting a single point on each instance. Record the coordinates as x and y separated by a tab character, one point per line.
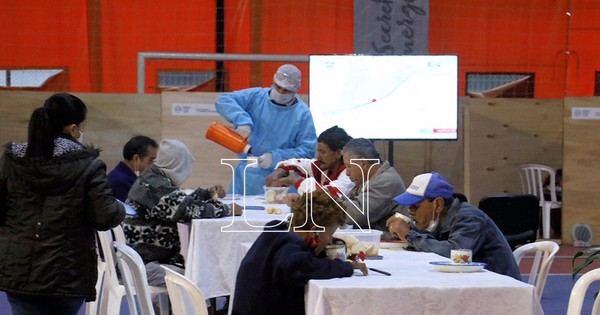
159	206
273	274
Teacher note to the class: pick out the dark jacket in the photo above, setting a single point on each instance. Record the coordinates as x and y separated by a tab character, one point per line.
121	178
468	227
49	211
274	272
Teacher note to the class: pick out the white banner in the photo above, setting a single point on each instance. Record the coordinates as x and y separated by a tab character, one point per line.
179	109
585	113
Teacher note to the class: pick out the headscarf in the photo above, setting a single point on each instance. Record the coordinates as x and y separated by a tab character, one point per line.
175	159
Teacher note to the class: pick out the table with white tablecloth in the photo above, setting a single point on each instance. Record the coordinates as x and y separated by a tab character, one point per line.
212	258
415	288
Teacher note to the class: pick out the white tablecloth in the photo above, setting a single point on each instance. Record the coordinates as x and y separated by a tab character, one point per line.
415	288
214	245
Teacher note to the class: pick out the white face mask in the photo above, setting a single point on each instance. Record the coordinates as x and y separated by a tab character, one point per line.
80	139
433	223
136	172
283	99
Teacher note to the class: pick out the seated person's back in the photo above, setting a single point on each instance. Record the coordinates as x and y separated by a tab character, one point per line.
274	272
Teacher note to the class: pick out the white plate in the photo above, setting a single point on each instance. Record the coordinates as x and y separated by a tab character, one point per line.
446	266
392	244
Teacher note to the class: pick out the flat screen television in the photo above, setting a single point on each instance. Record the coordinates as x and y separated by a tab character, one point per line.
408	97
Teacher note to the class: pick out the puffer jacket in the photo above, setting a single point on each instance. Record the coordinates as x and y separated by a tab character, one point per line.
49	211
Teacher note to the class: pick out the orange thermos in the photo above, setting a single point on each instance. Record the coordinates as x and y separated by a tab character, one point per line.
228	138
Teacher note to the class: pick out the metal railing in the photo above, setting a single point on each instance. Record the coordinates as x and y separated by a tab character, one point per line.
142	56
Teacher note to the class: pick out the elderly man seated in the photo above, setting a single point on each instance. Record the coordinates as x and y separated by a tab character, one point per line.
327	171
442	223
370	203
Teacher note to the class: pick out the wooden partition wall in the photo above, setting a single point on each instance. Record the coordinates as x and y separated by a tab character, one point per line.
581	167
112	119
495	137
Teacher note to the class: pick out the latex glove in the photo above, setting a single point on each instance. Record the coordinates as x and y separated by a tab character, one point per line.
265	160
243	131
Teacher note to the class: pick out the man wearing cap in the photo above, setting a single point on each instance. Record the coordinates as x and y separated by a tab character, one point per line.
277	123
442	223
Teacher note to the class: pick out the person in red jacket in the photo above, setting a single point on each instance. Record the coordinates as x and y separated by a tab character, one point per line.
327	171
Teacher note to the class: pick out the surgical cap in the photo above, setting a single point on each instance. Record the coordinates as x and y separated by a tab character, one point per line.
288	77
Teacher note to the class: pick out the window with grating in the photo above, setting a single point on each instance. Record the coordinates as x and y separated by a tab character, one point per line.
503	85
184	79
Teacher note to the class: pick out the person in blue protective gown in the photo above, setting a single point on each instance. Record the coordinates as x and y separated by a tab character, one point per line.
277	123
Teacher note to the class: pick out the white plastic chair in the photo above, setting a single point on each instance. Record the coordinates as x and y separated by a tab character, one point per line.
532	180
133	273
112	290
186	298
91	308
578	293
544	256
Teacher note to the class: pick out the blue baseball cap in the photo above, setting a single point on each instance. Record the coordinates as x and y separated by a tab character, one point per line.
428	185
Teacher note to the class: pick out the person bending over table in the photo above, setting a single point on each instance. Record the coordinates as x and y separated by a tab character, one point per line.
327	171
442	223
274	272
370	202
160	203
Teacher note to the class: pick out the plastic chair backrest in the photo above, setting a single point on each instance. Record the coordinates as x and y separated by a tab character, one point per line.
186	298
133	273
112	290
108	251
544	256
91	308
517	216
119	234
579	290
532	181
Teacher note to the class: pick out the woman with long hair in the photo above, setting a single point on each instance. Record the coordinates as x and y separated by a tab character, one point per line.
54	194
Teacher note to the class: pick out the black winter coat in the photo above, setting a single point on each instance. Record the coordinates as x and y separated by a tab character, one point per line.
49	211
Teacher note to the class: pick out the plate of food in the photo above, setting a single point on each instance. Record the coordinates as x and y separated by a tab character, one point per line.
393	244
448	266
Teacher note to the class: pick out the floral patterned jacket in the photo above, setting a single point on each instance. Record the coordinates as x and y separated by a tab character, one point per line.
160	205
